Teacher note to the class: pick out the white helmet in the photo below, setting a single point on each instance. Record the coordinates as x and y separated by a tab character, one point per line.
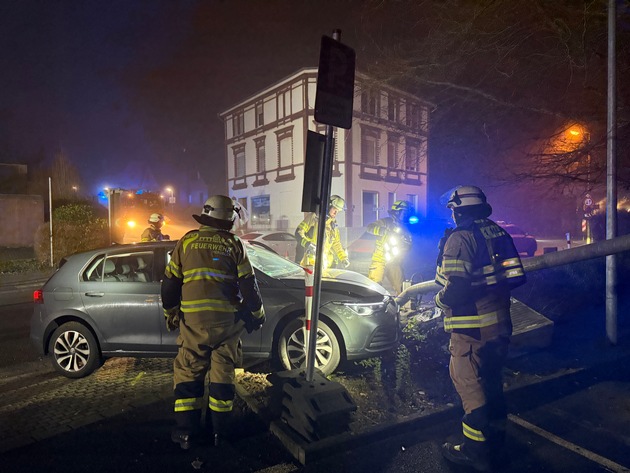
465	196
220	207
156	218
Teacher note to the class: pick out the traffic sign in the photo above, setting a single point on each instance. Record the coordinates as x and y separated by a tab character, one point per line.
335	84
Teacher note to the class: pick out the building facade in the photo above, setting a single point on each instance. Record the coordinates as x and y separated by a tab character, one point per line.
381	159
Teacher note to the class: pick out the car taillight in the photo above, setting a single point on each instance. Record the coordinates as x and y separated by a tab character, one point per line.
38	296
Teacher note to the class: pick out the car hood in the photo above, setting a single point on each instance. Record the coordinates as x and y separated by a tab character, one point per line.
340	285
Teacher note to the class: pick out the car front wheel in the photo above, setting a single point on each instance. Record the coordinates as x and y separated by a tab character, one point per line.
74	350
291	347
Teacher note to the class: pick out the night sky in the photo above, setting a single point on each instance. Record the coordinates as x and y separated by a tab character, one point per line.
122	87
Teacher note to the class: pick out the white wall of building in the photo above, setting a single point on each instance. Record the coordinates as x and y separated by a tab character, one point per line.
287	114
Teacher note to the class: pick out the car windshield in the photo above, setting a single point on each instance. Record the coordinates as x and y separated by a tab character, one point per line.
272	264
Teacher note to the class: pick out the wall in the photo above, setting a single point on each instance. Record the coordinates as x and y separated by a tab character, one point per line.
20	215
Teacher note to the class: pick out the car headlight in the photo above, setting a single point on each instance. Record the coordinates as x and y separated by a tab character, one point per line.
364	309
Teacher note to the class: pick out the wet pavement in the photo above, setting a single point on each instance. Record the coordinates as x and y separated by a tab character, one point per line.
571	413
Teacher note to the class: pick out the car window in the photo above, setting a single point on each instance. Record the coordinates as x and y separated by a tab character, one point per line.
94	270
272	264
250	236
128	267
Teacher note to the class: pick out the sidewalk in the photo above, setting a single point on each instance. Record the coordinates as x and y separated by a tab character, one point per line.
17	288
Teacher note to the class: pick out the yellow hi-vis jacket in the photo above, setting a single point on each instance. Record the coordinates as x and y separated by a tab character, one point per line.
477	268
332	240
393	243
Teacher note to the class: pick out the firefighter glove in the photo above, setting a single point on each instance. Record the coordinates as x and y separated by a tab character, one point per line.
252	323
311	248
173	317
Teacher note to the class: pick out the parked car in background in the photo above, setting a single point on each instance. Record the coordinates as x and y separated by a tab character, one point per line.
362	248
106	303
283	243
524	242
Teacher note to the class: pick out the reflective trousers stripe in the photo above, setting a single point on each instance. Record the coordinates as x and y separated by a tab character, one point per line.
188	404
218	405
470	321
473	434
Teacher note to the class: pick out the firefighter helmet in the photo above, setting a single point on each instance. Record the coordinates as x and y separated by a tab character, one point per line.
466	196
401	210
220	207
156	218
337	203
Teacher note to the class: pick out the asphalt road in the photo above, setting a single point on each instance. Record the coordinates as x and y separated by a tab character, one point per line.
575	419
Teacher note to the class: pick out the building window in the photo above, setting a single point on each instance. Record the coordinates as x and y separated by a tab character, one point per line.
370	102
238	124
260	155
370	207
393	109
369	147
260	213
260	115
239	161
285	148
392	152
413	200
284	103
412	155
414	116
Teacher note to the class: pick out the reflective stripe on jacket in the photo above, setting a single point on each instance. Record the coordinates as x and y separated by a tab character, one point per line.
215	271
332	240
393	240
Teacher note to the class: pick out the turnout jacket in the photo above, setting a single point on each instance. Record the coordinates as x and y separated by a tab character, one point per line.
393	242
211	276
477	267
332	239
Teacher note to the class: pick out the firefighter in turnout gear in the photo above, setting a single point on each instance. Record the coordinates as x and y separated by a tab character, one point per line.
478	266
154	231
333	249
210	292
394	241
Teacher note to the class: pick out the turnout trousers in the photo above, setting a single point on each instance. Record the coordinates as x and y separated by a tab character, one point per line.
393	271
206	347
476	369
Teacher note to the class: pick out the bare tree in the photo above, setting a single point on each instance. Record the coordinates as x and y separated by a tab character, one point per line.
506	74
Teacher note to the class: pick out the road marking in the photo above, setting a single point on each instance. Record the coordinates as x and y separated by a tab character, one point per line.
605	462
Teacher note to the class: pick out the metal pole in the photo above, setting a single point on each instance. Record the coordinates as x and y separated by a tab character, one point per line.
50	213
321	234
109	213
611	179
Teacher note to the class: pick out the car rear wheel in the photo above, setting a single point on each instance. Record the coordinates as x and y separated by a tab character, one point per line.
74	350
291	347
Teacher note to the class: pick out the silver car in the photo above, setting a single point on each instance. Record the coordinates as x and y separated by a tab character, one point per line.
106	303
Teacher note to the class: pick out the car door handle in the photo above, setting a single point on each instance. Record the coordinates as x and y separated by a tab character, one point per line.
95	294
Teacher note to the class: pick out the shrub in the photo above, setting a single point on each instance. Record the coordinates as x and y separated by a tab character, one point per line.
75	229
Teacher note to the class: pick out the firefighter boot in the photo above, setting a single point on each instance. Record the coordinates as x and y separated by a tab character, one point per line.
220	421
186	433
460	455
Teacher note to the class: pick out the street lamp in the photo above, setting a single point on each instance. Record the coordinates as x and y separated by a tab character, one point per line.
75	189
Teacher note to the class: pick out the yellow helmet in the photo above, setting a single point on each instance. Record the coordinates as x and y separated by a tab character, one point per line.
337	202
